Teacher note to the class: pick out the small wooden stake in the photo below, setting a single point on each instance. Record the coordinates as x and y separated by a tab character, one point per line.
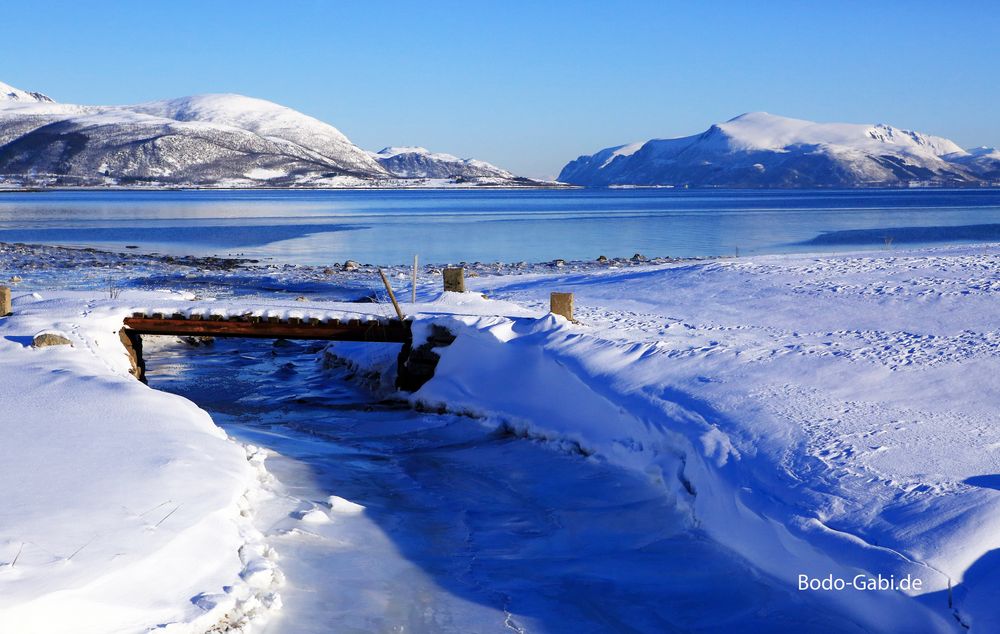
562	304
5	305
413	299
454	280
392	296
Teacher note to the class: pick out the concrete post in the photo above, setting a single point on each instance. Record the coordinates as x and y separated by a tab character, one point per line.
454	280
562	304
5	306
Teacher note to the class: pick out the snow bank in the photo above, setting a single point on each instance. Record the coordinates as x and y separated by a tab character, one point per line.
818	415
124	509
546	379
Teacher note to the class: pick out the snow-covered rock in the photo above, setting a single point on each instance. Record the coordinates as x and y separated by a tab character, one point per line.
758	149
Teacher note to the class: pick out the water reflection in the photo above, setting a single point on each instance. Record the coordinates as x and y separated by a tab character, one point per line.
388	227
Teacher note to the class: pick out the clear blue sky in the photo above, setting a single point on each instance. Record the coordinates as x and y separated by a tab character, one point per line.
527	85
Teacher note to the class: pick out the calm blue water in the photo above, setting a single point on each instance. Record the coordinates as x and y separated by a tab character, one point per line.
389	227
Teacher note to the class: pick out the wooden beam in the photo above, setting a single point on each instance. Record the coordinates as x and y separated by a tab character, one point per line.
393	331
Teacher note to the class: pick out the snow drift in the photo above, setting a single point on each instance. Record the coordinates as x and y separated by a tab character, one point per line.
124	509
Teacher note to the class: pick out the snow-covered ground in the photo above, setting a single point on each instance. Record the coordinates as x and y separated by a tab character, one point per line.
124	508
816	415
819	415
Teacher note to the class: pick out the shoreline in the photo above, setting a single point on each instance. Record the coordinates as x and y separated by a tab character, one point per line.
553	187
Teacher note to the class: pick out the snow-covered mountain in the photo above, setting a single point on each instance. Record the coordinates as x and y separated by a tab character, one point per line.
763	150
11	94
418	162
206	141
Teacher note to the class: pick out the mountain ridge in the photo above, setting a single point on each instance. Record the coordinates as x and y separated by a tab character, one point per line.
758	149
209	140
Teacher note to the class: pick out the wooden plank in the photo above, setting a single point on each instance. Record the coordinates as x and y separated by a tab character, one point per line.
394	331
5	302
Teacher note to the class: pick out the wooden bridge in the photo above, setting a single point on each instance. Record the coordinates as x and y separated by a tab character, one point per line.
415	365
259	327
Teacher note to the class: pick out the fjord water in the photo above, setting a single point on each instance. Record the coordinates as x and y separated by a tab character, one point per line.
464	528
390	226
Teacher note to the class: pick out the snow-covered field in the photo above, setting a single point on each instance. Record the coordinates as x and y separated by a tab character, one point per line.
123	508
817	415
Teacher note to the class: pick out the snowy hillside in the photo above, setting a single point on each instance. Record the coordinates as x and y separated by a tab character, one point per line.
763	150
269	121
420	163
221	140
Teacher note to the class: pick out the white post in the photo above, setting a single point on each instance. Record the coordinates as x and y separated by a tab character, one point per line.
413	299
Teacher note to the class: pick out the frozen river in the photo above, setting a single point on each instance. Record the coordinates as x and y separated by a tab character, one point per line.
464	528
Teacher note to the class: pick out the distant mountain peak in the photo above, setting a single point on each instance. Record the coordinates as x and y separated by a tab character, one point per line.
10	94
402	149
759	149
419	162
755	115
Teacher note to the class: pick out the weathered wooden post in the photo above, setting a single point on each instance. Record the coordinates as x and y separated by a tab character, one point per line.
5	305
562	304
454	280
392	296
